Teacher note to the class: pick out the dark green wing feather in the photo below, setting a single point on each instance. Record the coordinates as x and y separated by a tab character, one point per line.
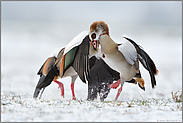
69	58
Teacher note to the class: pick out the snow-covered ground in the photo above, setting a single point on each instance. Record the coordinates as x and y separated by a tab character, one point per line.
24	48
24	108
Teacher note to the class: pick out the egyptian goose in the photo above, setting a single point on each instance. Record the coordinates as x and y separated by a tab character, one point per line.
102	78
124	57
73	60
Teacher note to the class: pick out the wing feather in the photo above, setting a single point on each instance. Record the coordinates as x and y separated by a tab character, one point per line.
146	61
129	52
51	73
75	41
81	61
101	76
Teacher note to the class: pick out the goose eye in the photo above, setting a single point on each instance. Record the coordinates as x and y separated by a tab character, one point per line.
93	36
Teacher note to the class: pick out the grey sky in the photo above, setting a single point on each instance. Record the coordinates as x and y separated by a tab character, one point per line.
151	12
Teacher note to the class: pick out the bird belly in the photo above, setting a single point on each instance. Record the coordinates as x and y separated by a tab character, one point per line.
120	65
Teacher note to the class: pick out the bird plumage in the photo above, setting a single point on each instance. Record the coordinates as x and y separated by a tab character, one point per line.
146	61
73	60
115	58
101	75
124	58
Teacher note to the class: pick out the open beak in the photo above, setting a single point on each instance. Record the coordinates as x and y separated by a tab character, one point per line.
95	44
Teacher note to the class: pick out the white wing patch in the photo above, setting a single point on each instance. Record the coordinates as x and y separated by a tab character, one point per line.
129	52
76	41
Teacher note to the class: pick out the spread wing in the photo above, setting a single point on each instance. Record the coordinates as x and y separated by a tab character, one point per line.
146	61
81	60
101	75
75	41
47	73
129	52
76	54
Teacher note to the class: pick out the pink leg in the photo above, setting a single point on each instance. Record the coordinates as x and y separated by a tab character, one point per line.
115	85
61	86
119	91
72	89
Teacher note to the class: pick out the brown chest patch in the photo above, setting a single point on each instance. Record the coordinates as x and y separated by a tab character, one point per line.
103	55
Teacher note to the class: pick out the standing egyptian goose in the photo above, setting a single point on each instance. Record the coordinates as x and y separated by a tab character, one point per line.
124	58
102	78
73	60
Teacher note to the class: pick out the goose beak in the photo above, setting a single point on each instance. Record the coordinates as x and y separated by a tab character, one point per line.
95	44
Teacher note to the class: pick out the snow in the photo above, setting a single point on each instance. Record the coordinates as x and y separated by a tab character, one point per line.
23	51
28	109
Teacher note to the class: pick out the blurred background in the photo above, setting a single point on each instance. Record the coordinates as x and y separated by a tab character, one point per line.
32	30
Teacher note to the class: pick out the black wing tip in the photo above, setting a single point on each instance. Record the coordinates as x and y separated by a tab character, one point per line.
44	81
153	80
124	36
152	66
36	93
128	39
153	86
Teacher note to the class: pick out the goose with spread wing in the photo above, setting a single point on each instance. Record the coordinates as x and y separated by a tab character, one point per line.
124	57
73	61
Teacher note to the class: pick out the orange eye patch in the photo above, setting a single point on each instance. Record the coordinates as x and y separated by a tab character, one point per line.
93	36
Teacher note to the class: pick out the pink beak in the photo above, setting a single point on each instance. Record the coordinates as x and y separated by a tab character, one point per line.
95	44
